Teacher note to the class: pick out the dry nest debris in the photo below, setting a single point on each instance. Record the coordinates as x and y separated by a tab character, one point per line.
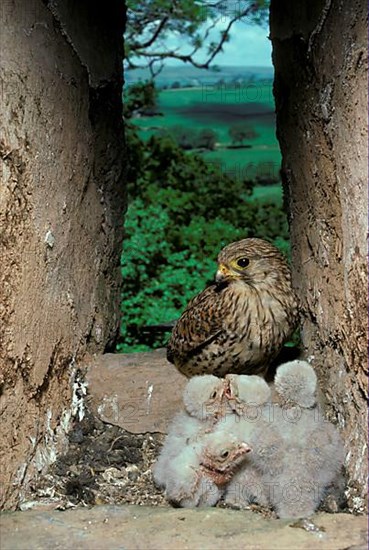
105	464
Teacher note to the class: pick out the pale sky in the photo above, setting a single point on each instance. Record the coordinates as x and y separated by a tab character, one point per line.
248	46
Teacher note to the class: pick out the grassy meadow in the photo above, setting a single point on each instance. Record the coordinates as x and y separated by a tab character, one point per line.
218	107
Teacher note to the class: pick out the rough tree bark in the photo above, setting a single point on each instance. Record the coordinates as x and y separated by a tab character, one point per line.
320	59
62	204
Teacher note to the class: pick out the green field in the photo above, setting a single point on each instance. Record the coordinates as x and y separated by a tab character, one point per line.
187	75
219	107
268	193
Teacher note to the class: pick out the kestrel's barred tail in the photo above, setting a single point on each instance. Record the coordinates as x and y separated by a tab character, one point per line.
240	323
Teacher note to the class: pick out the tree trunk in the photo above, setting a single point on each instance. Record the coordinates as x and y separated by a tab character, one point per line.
320	59
62	204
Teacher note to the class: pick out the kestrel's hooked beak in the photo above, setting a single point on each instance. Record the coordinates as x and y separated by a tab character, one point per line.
222	273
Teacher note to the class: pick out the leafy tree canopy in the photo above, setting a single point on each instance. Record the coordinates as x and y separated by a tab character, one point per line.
140	97
239	133
191	138
205	24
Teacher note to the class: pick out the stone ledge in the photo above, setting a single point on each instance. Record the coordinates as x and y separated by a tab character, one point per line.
141	528
139	392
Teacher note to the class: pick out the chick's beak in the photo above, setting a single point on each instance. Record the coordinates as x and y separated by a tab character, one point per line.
222	273
245	447
231	390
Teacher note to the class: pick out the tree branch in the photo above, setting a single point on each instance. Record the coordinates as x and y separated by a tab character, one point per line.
147	19
189	58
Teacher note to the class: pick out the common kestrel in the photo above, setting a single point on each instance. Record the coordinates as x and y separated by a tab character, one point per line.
296	384
198	474
297	456
204	397
239	323
246	392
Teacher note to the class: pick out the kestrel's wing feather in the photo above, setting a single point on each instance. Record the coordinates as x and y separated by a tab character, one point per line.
200	323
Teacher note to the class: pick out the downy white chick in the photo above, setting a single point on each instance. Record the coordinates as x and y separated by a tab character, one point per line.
295	383
199	474
296	454
203	399
313	452
253	425
245	393
250	399
247	487
312	458
182	431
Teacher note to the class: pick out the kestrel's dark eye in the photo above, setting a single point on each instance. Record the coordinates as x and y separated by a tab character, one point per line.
243	262
224	454
213	395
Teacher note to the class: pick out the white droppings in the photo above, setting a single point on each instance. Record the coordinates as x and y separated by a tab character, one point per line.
49	239
150	389
78	397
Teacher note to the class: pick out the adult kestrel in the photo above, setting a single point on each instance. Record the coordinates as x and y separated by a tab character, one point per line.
239	323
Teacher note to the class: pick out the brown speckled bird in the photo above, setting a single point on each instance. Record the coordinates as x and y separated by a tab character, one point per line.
240	322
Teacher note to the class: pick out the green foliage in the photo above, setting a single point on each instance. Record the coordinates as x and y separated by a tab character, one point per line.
190	138
184	137
187	184
140	98
182	211
157	279
240	132
207	139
